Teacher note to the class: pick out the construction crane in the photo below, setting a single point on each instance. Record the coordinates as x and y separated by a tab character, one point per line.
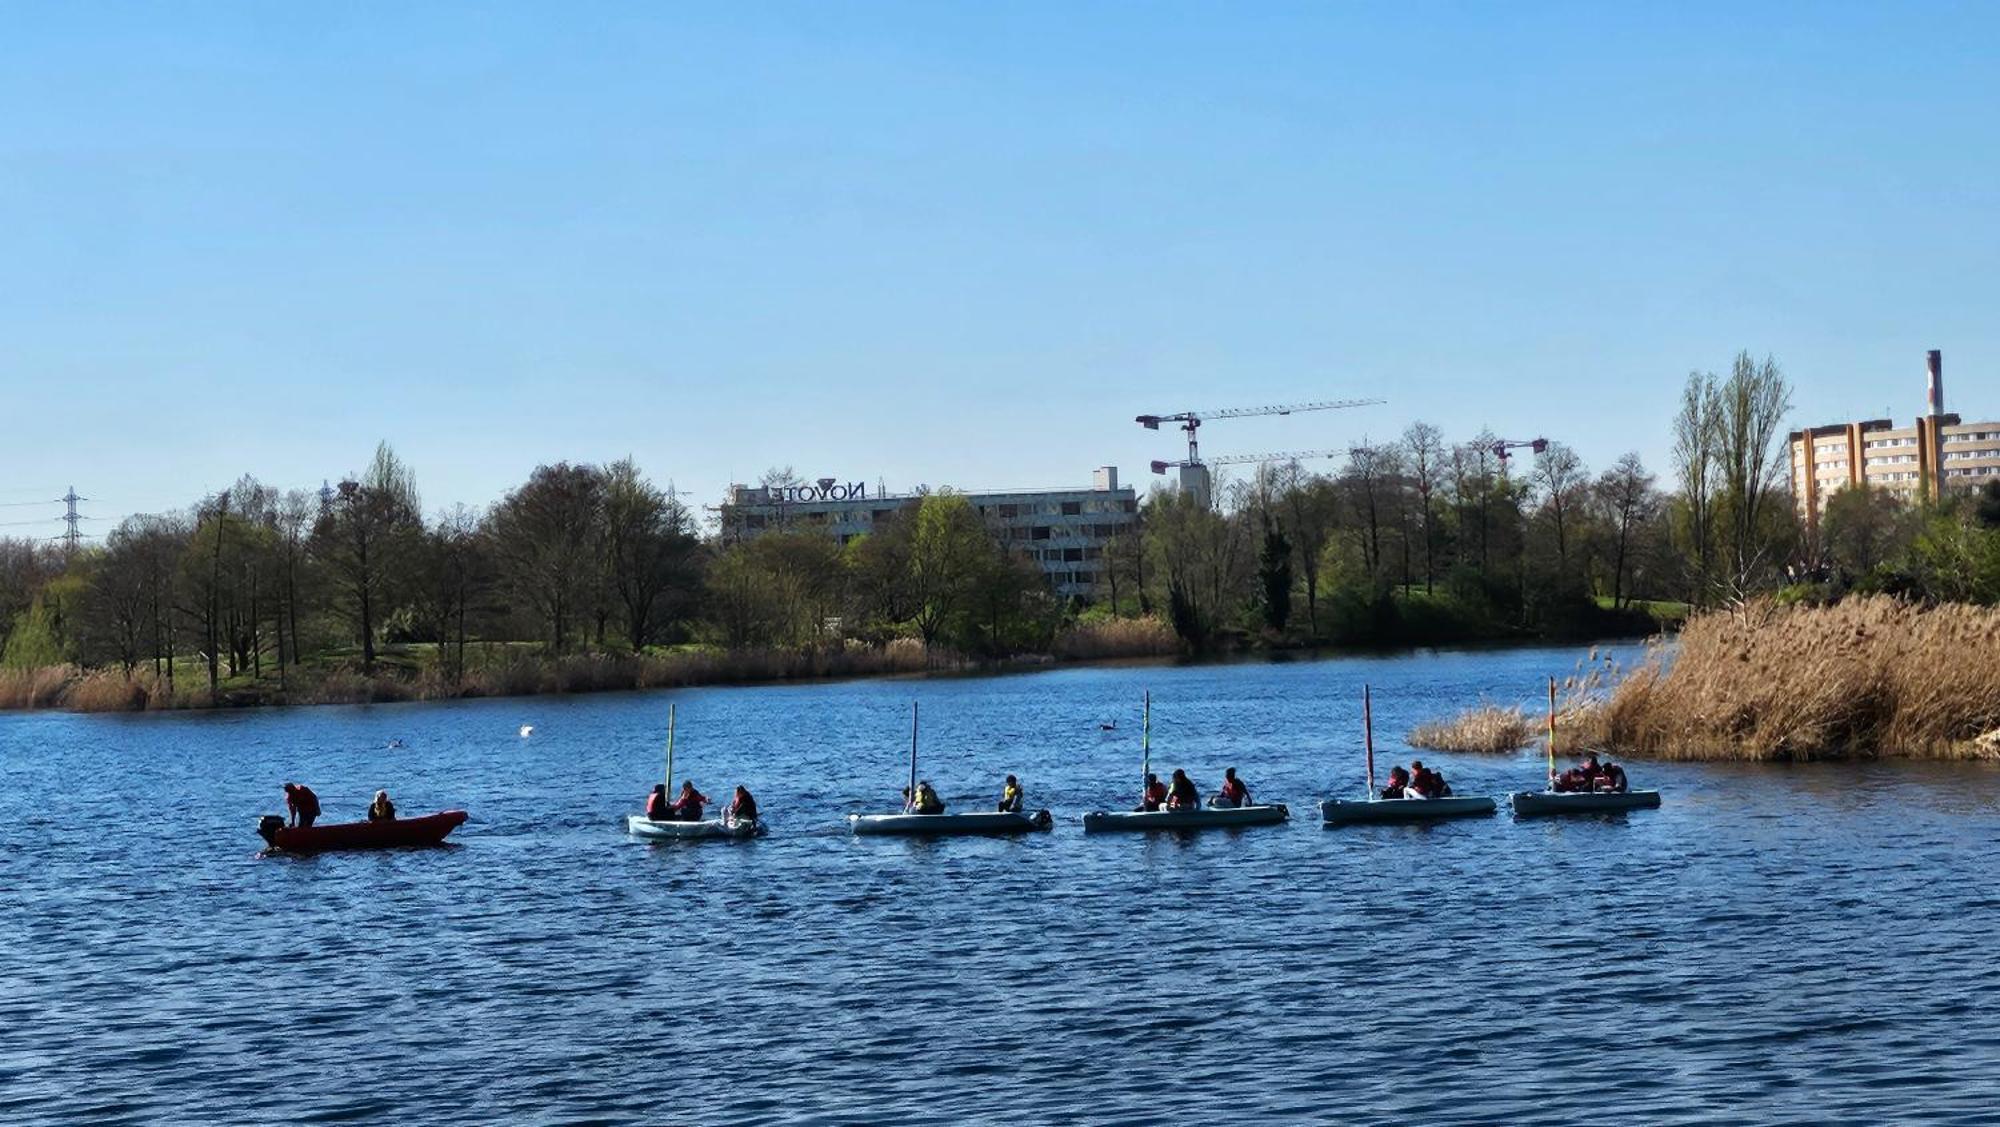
1501	446
1243	459
1191	421
1194	472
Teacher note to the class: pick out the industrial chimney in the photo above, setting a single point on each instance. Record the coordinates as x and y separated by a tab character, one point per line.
1935	362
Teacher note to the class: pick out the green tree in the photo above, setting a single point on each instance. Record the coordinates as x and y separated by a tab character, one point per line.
1274	575
948	548
35	640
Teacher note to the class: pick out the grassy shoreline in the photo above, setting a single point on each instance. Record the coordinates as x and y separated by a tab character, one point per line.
521	672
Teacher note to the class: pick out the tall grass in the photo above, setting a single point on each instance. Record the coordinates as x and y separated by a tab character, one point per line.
1118	637
34	688
1861	678
1487	728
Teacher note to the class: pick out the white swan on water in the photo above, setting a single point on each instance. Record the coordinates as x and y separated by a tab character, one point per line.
527	730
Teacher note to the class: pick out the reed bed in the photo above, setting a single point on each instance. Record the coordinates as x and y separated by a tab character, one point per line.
1862	678
1118	637
1487	729
34	688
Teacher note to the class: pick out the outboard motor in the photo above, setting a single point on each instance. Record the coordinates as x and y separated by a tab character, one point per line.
268	827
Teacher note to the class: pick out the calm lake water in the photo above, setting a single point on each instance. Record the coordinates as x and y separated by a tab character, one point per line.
1808	945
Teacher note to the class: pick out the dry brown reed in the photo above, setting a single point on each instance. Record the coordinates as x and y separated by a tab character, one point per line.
1861	678
34	688
109	690
1118	637
1487	728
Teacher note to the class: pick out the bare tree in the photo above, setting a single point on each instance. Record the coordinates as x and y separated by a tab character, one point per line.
365	536
1697	432
1630	503
1560	476
1754	401
547	537
1424	454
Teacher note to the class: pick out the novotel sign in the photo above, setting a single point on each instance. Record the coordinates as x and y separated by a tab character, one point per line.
825	489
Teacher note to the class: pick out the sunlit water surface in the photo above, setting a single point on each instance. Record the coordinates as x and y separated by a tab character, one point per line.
1809	945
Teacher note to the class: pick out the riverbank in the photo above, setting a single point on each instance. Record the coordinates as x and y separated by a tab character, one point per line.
508	671
1865	678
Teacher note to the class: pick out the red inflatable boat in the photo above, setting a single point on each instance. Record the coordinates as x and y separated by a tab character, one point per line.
427	830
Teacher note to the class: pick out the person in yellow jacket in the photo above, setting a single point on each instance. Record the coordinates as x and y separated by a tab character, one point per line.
1013	800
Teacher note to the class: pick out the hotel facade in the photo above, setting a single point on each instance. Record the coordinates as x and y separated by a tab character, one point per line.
1065	531
1936	454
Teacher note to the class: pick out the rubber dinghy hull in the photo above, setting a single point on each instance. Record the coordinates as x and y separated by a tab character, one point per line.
978	823
638	825
1529	804
395	833
1140	821
1342	812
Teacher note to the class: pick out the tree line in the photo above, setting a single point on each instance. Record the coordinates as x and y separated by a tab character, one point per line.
1418	539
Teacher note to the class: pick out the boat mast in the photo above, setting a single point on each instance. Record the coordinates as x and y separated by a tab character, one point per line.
1552	731
910	797
670	753
1145	747
1368	736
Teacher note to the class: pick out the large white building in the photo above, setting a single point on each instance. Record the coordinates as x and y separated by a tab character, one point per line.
1064	530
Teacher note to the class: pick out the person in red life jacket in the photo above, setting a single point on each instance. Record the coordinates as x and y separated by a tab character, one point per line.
742	807
1614	778
1182	794
658	809
1399	781
301	803
687	808
1153	795
1592	774
1569	782
1234	793
1424	782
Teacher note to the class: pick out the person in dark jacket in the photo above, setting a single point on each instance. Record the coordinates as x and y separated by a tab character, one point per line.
1182	794
301	803
658	809
381	810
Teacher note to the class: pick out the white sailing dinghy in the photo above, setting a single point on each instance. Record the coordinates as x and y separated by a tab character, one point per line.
1209	816
638	825
1343	812
1530	804
973	824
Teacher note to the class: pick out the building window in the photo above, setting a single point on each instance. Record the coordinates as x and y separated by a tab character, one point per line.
1072	508
1039	532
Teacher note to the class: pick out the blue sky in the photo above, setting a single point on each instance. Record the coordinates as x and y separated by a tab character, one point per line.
950	244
